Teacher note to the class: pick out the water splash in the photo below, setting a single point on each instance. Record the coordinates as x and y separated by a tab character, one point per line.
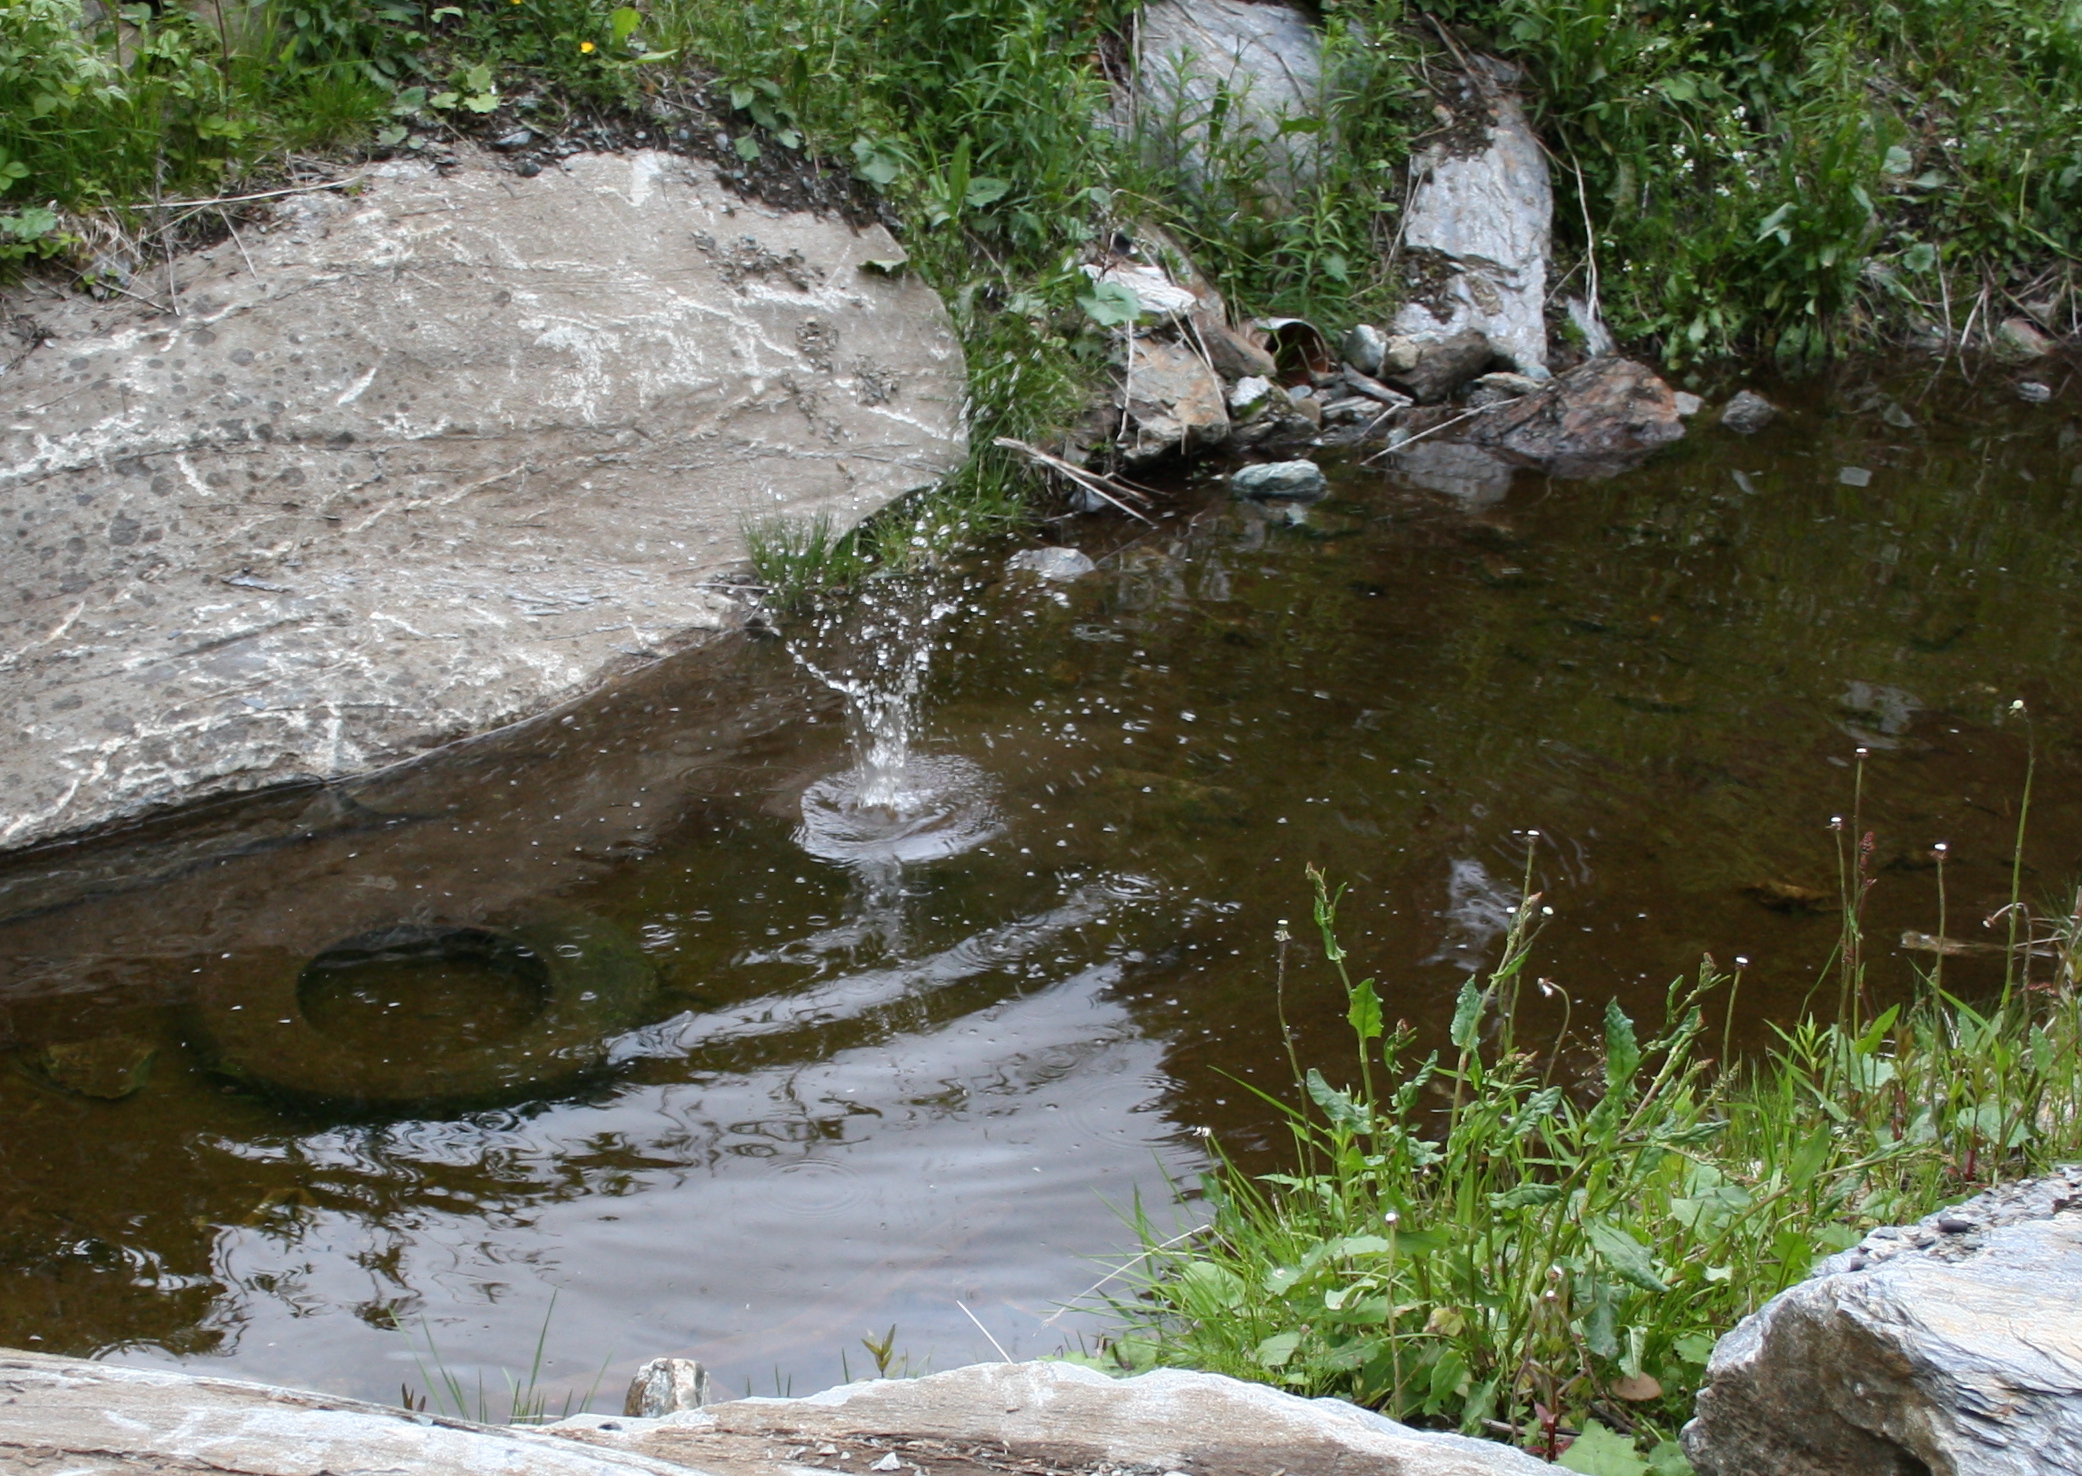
894	806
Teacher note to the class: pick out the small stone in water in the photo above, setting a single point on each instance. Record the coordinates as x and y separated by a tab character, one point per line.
515	141
888	1463
1051	563
1290	481
1688	404
1854	476
1748	412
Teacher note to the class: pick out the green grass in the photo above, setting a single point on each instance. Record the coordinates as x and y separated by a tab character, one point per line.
1804	176
1519	1242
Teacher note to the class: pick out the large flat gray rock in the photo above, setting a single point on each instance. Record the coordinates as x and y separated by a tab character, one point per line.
416	461
1951	1347
1015	1413
71	1417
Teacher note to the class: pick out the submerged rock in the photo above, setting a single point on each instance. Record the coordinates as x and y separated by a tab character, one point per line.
449	452
110	1068
1282	481
1952	1345
1454	468
1600	417
2019	340
1052	563
1748	412
1263	60
1483	215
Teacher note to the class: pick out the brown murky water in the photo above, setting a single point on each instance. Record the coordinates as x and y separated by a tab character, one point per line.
723	1097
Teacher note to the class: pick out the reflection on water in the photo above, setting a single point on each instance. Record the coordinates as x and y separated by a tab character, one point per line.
905	1010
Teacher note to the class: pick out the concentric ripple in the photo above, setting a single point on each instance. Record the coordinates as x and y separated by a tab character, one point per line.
939	806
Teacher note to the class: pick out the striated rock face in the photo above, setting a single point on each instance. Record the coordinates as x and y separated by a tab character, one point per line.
1020	1413
1264	60
1174	399
80	1418
417	461
92	1419
1599	418
1484	218
1952	1347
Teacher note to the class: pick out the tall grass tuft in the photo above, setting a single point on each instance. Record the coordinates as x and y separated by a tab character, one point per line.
1491	1239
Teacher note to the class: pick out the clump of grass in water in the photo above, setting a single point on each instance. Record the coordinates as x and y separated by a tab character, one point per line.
797	558
1469	1241
527	1402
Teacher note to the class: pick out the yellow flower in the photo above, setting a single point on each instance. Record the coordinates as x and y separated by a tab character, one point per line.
585	46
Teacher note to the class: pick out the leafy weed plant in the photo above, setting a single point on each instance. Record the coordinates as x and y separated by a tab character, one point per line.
1487	1240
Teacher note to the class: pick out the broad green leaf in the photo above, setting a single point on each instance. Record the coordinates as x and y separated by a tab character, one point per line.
1335	1104
1277	1349
1622	1051
1365	1012
1209	1291
1667	1459
1523	1196
1628	1257
1600	1452
1898	161
1467	1015
1694	1347
1110	305
746	147
984	190
623	20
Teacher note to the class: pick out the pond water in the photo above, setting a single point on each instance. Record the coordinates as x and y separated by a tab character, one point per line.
747	1079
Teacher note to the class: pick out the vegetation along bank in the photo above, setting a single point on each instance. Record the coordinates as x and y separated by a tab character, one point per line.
1732	178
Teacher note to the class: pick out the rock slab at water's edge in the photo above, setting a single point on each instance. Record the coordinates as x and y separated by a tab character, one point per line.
419	460
82	1418
1002	1417
1951	1346
85	1418
1599	418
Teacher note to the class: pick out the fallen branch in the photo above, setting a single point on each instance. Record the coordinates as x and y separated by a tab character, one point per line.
323	184
1099	486
1442	425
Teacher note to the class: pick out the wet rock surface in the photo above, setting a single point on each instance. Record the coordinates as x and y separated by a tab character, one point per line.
1601	417
449	451
1952	1345
1280	481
